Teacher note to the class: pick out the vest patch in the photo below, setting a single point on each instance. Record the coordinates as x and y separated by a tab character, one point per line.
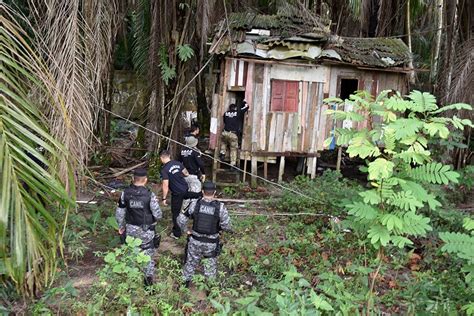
206	209
231	114
186	152
136	204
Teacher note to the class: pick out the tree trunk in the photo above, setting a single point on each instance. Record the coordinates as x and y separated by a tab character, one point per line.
437	48
452	48
408	28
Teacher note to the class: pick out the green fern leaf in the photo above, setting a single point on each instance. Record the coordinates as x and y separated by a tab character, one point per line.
434	172
424	101
460	244
436	128
432	202
401	241
185	52
405	200
380	168
414	224
362	211
333	100
468	224
344	135
389	140
392	221
416	189
379	234
398	104
456	106
363	148
346	115
371	197
405	127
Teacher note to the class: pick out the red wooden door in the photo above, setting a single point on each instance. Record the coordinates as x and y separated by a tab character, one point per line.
278	95
291	96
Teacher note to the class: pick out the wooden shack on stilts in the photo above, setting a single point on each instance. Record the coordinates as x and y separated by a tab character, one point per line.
284	67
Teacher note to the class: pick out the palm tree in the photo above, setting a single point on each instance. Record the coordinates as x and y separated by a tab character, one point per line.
34	202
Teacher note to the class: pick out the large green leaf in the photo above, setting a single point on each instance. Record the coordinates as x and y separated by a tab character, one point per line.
456	106
434	172
424	101
405	127
380	169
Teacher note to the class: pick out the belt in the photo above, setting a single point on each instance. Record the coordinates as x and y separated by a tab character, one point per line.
205	239
233	132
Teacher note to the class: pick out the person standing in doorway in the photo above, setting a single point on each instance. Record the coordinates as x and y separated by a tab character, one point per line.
233	118
173	179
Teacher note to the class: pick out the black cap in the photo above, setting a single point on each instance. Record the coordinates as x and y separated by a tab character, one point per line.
209	186
139	172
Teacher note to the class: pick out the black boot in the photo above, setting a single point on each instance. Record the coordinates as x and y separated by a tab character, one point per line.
148	281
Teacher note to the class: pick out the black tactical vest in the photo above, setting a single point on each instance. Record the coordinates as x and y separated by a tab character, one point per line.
137	200
206	217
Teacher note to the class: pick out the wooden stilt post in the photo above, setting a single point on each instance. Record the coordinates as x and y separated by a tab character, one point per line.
314	163
215	164
339	158
254	171
265	167
282	169
245	168
308	165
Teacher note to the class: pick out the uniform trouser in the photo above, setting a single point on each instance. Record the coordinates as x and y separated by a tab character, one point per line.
194	185
176	205
196	251
147	242
231	140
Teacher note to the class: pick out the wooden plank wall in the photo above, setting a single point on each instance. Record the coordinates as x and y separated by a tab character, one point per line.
296	131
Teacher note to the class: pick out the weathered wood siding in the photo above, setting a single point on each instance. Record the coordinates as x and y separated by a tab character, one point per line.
300	132
373	81
277	131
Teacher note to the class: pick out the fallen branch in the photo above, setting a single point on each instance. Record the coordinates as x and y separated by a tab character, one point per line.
125	170
240	201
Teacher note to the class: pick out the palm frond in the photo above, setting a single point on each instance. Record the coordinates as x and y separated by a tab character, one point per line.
30	187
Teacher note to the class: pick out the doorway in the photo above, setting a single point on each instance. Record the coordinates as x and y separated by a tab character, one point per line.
348	87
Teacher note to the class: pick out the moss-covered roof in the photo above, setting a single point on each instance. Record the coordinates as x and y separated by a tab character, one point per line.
378	51
300	36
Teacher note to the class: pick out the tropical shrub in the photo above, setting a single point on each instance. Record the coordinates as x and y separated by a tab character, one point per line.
462	245
399	164
121	280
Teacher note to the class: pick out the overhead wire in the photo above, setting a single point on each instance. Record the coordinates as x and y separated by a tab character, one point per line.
278	185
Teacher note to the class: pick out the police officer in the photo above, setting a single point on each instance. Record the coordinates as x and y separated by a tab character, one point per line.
233	119
173	179
190	156
209	218
136	214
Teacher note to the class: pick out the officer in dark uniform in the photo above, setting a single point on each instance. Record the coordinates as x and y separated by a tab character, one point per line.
173	179
190	156
233	119
137	212
209	218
